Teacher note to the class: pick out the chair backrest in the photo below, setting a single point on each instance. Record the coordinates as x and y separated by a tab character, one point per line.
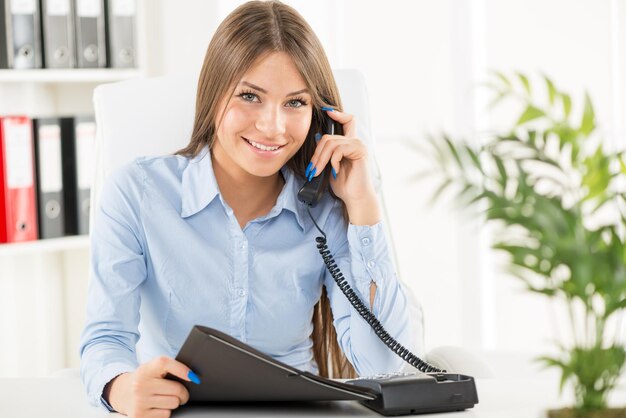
154	116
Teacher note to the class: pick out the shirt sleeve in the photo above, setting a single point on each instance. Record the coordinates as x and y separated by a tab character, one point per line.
118	268
363	256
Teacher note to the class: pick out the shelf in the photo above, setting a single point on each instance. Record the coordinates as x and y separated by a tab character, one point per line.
102	75
45	245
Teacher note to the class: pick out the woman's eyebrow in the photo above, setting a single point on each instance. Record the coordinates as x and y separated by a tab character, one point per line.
262	90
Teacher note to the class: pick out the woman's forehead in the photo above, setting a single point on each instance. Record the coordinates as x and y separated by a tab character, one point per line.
276	73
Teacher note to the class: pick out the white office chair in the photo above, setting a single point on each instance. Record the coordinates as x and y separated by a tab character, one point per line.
155	117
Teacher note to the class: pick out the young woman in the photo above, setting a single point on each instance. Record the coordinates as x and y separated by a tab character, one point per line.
215	235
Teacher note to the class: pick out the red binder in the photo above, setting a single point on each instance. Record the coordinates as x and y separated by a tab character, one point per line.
18	209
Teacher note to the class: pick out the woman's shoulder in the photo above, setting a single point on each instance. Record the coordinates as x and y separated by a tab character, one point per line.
142	172
151	168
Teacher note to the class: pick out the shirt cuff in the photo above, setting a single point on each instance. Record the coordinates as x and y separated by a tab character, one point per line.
106	405
369	242
108	373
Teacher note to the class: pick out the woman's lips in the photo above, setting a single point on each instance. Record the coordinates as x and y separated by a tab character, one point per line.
262	147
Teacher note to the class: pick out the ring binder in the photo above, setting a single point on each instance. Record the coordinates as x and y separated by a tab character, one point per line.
121	33
90	34
20	36
58	33
18	213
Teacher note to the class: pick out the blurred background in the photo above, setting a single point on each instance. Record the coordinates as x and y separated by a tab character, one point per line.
426	63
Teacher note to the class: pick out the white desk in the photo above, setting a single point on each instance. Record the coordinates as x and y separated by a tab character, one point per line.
65	398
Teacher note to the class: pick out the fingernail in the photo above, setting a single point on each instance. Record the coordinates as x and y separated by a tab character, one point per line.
318	136
330	109
334	173
312	173
308	167
193	377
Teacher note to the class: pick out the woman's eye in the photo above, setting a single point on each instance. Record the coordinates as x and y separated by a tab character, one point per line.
296	103
248	97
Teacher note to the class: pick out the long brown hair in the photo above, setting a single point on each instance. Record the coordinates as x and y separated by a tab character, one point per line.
253	31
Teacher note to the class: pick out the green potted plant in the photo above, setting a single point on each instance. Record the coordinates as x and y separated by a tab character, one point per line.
557	199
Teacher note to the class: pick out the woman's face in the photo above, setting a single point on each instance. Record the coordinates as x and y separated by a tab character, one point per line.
266	120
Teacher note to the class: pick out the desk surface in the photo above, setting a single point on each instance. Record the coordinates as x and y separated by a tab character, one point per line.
62	397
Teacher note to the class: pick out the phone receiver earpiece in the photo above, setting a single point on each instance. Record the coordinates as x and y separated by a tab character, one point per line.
311	191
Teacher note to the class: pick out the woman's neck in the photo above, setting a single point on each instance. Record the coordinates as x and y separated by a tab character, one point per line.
249	196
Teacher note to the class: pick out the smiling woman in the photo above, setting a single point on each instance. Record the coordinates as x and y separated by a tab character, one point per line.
215	235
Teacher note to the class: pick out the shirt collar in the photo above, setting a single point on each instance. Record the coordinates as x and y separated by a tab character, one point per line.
288	198
199	188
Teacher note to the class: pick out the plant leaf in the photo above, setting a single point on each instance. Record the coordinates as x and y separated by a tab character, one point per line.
529	114
551	89
504	79
525	82
501	170
442	187
587	124
454	152
567	104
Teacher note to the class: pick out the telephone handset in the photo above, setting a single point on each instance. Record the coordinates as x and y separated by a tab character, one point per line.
309	194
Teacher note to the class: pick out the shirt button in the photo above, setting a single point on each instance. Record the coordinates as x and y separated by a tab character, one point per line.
371	264
242	292
243	246
366	241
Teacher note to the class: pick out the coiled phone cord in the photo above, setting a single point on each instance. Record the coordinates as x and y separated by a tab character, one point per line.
363	310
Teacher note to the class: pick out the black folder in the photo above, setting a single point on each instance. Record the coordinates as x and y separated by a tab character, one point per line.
231	371
49	169
57	184
20	36
70	181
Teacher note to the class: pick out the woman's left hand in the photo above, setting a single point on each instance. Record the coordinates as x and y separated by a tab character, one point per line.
352	182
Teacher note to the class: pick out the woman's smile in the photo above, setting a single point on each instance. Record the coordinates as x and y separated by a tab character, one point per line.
264	150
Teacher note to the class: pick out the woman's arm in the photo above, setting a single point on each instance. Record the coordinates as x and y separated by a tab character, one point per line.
118	268
362	254
109	366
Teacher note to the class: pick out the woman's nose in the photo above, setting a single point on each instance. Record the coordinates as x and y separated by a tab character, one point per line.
271	122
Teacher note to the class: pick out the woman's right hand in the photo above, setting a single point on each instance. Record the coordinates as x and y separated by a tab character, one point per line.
145	392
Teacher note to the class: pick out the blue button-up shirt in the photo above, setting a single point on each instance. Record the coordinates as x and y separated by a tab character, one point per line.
168	253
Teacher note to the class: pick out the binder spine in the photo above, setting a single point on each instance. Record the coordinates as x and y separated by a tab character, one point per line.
26	50
85	135
121	49
18	214
70	185
58	33
48	166
91	50
6	41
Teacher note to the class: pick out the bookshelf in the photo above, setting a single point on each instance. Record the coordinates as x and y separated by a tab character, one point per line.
44	246
43	283
104	75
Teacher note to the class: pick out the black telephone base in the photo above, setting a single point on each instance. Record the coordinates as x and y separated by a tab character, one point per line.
419	393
